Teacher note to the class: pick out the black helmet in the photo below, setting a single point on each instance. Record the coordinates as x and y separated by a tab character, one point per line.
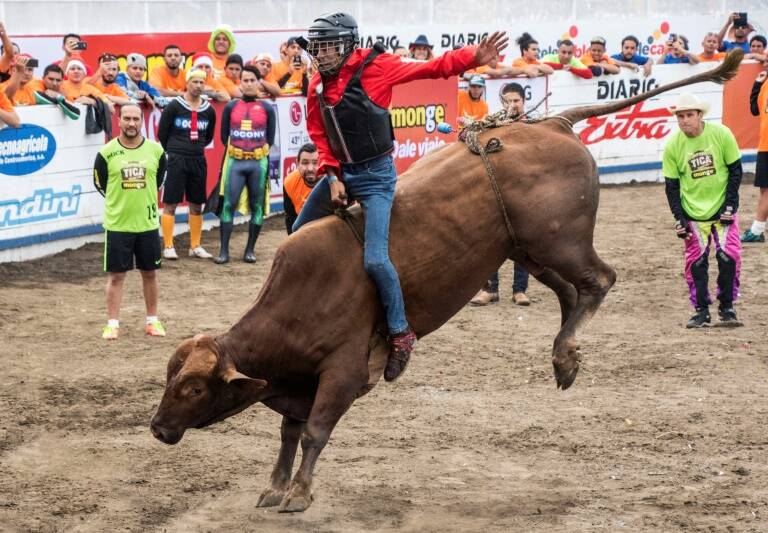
333	31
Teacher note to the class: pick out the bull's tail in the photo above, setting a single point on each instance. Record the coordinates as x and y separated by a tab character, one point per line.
721	74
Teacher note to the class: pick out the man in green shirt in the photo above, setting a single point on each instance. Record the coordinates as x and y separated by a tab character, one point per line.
128	172
702	170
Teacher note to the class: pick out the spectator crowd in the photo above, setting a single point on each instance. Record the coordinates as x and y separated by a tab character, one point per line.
72	80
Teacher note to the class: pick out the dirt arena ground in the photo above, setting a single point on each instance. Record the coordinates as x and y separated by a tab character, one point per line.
664	429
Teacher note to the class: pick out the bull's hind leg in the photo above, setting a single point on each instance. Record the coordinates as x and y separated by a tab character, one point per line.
565	291
290	432
592	279
338	387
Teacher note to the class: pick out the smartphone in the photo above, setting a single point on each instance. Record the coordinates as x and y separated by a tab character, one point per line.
81	45
297	60
673	37
32	63
741	20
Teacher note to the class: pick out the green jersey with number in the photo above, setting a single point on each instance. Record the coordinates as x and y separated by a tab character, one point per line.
701	165
129	179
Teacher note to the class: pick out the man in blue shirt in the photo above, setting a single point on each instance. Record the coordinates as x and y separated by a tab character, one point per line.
741	30
629	47
134	86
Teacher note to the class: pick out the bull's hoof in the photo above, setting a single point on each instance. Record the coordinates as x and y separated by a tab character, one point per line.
567	367
297	500
270	497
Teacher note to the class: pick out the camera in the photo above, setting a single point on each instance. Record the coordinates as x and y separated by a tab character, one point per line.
32	63
741	21
80	45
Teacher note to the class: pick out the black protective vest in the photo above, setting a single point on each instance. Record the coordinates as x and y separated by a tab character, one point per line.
357	129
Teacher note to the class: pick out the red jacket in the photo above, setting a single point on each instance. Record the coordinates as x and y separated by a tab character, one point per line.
378	79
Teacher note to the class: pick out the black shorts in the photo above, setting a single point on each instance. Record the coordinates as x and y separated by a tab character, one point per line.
761	170
120	247
185	175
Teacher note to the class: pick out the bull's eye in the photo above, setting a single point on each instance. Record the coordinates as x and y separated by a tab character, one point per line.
196	391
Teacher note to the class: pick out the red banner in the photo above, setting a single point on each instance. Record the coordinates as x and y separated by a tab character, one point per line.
417	108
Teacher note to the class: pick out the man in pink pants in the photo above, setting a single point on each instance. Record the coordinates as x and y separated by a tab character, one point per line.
702	170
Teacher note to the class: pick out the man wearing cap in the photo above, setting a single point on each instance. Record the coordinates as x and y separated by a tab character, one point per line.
76	89
169	78
421	49
22	85
471	102
290	73
758	106
247	131
230	81
134	86
212	89
186	127
349	121
263	62
597	60
221	44
702	171
105	80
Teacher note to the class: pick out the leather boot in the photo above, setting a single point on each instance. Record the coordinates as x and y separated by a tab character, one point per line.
400	347
253	234
225	232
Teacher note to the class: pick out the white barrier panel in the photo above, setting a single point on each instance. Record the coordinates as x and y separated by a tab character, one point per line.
46	183
535	91
629	145
290	136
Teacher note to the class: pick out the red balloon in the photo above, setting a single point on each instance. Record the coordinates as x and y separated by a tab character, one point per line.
574	31
665	28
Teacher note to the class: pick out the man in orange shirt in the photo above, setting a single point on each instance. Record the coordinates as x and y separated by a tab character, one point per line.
21	88
709	45
75	89
299	184
758	105
213	89
7	113
529	57
597	60
263	62
231	78
471	102
104	80
291	73
221	44
169	79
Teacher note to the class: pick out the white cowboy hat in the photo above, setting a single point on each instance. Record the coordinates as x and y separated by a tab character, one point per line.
687	102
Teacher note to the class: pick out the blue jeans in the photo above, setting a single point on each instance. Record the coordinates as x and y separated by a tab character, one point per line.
519	281
373	185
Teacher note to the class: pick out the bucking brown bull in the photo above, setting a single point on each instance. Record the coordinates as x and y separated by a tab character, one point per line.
308	349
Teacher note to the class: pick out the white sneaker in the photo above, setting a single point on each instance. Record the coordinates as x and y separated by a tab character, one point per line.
170	253
200	253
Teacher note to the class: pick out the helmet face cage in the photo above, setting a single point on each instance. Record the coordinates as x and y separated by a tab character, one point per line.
330	54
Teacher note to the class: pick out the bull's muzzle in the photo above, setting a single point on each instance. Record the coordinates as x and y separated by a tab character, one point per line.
168	436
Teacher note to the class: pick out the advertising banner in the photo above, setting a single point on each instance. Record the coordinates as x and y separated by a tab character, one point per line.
417	108
46	180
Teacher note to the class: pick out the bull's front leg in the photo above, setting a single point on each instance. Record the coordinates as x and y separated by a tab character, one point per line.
335	395
290	432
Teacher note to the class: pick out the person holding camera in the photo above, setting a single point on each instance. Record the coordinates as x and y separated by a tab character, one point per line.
291	73
23	85
73	46
676	51
737	23
702	170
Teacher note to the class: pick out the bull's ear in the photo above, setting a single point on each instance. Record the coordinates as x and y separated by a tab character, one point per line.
230	374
